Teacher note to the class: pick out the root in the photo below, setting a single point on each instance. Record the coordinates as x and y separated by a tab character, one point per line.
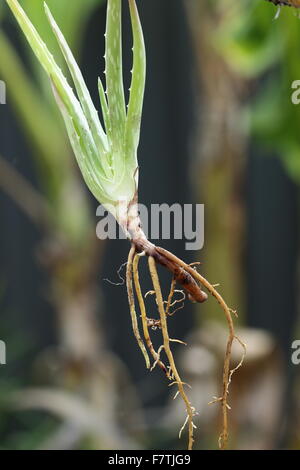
169	302
145	320
171	370
192	282
158	360
132	306
227	373
119	276
170	298
163	318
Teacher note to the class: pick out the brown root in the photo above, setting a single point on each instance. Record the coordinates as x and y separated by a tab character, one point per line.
227	373
192	282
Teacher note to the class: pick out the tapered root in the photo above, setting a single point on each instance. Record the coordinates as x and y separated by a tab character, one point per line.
144	318
192	282
227	372
131	302
166	339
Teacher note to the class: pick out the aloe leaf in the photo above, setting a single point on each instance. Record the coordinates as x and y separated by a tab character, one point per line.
108	162
137	88
65	91
83	94
105	110
114	75
86	165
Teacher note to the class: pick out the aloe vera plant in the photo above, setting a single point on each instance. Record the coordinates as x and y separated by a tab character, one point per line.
107	158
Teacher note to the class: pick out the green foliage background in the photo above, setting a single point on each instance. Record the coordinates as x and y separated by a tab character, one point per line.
265	51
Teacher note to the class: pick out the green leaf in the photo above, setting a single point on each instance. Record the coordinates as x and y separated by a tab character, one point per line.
64	90
108	162
137	88
114	76
83	94
105	110
80	149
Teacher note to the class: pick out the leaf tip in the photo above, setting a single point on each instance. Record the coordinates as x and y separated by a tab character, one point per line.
47	11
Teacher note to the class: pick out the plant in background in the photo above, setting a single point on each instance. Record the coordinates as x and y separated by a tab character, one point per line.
280	3
107	157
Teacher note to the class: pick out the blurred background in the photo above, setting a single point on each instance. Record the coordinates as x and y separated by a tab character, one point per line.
219	128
